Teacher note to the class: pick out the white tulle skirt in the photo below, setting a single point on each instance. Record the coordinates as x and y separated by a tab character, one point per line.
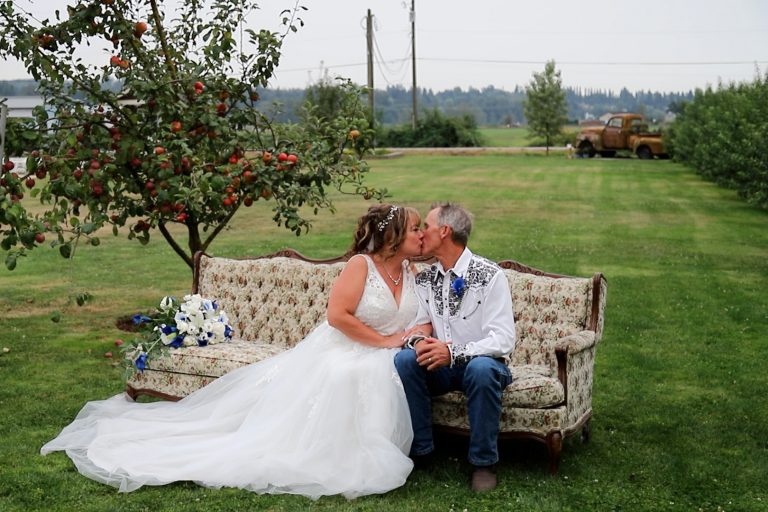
327	417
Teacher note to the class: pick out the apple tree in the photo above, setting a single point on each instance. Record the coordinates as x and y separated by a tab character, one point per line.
166	130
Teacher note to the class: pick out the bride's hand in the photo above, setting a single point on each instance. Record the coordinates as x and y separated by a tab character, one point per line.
395	340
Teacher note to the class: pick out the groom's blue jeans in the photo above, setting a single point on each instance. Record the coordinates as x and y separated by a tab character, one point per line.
482	381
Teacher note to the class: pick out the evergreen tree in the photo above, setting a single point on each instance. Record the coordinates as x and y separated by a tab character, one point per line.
545	106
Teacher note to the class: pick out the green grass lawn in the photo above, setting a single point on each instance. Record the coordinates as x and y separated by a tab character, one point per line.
680	418
501	137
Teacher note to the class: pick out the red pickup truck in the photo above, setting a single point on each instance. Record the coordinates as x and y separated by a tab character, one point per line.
622	132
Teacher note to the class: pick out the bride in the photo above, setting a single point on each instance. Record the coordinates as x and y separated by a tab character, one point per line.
326	417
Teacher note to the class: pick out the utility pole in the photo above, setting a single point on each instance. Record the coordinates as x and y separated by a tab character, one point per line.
3	117
413	60
369	39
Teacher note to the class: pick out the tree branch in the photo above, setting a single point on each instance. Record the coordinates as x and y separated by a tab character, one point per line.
161	37
218	229
172	242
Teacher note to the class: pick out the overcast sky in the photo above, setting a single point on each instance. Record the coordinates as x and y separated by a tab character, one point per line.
659	45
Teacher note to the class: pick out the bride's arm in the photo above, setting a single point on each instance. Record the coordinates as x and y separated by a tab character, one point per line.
342	303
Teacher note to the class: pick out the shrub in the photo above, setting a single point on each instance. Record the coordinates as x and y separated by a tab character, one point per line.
721	134
434	130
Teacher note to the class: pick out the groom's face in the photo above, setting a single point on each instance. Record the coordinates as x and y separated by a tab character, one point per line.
433	234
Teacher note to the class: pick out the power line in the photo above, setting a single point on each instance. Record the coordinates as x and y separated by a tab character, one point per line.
586	63
541	62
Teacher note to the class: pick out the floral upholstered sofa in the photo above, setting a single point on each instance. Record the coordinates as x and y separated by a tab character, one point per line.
273	302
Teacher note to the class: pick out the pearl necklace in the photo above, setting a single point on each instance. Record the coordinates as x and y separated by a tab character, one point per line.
399	278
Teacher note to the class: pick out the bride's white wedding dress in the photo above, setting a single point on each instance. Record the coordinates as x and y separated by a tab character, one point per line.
326	417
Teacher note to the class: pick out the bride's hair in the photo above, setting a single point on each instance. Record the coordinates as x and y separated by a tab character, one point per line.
382	229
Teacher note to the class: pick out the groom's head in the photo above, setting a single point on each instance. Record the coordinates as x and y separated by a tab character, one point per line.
446	225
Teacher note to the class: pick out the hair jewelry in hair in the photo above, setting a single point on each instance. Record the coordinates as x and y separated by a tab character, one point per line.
384	223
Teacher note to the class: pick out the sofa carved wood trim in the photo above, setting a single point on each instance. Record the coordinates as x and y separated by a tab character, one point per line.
274	301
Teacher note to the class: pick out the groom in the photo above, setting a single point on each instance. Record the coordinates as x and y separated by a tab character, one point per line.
466	298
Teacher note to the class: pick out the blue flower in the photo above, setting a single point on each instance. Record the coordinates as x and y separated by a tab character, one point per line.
141	362
167	329
459	286
177	341
141	319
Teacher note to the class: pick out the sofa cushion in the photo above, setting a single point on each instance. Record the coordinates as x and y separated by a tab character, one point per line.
532	387
214	360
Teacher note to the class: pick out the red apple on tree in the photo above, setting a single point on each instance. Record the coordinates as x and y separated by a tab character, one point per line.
139	28
125	137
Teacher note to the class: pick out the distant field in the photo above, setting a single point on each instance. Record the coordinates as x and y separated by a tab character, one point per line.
499	137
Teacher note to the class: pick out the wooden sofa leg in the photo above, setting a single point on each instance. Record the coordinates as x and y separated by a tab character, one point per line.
586	432
554	447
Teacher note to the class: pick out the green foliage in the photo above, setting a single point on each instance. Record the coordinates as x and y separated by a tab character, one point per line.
722	134
20	136
433	130
323	102
545	106
182	143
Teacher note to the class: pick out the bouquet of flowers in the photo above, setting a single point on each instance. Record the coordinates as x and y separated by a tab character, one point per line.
196	321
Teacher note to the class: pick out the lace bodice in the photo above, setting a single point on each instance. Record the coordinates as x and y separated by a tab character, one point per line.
377	307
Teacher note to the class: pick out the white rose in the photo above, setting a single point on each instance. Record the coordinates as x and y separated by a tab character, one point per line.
217	331
166	303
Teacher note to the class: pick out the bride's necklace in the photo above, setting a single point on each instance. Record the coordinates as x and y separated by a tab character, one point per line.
399	278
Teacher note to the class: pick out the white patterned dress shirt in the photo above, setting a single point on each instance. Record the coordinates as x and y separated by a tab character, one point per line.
477	317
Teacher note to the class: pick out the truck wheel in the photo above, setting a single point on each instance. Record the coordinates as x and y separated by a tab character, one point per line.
644	153
586	149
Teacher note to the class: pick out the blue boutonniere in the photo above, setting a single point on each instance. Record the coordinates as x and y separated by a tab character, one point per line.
459	286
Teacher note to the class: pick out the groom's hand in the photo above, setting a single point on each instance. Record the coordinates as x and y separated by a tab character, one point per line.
432	353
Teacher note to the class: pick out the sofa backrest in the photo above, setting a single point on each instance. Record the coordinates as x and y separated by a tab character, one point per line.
276	300
280	299
546	309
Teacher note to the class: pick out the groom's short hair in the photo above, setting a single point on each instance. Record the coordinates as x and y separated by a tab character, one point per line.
457	218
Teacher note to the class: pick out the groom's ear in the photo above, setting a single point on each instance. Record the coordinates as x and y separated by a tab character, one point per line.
445	232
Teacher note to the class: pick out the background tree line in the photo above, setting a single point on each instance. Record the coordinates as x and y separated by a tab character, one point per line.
721	134
488	106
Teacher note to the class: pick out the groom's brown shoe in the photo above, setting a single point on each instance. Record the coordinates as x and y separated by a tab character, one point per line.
484	478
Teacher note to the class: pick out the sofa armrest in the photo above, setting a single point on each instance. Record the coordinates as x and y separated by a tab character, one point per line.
571	345
575	370
576	342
